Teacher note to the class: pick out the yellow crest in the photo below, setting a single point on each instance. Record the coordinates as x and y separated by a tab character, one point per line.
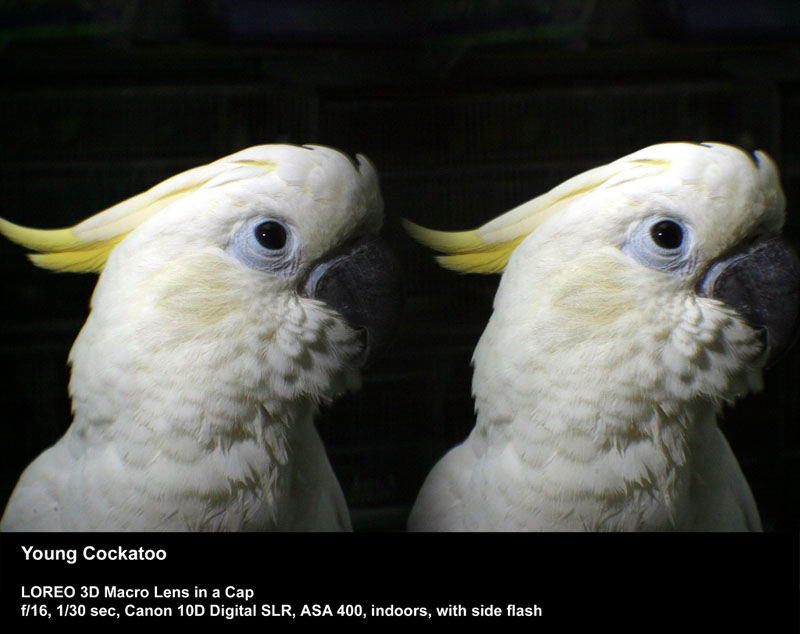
488	248
85	247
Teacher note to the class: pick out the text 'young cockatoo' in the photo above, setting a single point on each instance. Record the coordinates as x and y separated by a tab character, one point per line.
636	299
234	298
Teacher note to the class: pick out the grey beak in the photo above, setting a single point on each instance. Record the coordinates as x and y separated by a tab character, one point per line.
364	284
762	283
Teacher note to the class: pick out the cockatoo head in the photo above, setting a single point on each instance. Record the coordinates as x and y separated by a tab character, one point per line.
264	267
673	250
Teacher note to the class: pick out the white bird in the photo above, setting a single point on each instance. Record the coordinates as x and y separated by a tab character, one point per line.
234	298
635	300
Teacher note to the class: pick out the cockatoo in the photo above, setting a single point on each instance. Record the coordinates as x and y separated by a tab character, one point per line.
635	299
234	298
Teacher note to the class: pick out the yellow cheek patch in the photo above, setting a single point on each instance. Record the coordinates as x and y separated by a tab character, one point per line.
592	291
196	291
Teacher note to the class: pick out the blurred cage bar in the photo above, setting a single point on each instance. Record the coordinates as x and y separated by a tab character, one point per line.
466	109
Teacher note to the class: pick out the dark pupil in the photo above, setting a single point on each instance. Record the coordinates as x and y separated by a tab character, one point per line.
667	234
271	235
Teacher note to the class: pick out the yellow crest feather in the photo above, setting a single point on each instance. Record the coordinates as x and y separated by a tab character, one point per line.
85	248
467	252
488	248
87	259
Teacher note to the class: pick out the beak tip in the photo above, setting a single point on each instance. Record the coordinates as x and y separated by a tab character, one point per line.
763	285
365	285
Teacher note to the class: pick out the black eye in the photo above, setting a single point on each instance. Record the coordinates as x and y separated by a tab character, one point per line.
271	235
667	234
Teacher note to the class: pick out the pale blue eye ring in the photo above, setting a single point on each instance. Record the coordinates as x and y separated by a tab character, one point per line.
268	244
663	243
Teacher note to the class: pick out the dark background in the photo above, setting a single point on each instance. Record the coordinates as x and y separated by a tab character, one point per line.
467	108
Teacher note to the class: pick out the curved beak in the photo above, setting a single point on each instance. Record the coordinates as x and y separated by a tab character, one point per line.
762	283
364	284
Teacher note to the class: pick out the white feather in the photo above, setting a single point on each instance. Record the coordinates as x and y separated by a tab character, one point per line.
196	378
598	380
